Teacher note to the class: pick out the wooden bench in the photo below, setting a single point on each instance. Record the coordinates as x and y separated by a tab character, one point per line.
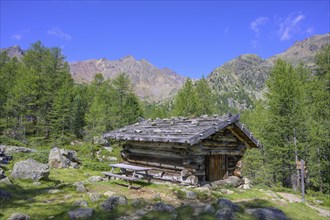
120	176
136	173
129	179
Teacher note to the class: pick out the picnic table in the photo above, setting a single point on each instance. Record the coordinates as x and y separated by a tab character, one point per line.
131	173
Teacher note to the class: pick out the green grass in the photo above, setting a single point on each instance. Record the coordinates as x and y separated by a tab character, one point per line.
35	200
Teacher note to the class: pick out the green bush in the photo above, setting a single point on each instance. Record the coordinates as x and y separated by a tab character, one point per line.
10	141
95	166
41	156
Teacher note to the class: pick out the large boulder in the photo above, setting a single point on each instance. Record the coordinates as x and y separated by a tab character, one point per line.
80	187
112	202
268	214
19	216
63	158
4	195
232	181
30	169
163	207
225	214
227	204
81	213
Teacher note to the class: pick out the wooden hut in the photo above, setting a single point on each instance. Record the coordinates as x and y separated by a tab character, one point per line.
184	149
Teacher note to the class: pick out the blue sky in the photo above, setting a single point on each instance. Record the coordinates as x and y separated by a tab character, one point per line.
190	37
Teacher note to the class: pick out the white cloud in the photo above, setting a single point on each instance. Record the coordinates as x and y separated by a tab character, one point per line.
254	43
16	37
255	25
57	32
290	26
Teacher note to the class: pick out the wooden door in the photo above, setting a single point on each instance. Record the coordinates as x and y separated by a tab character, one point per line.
216	167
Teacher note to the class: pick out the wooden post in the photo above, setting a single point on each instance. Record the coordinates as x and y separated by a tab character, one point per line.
302	181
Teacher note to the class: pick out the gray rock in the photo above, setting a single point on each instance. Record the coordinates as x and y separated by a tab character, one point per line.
5	181
112	202
80	203
94	197
225	214
63	158
138	202
67	196
37	183
112	158
141	212
54	191
227	204
157	197
234	181
94	179
208	209
110	149
191	195
80	187
2	173
81	213
19	216
163	207
4	195
30	169
268	214
8	150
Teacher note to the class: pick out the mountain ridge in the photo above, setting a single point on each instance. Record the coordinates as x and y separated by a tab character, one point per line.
239	81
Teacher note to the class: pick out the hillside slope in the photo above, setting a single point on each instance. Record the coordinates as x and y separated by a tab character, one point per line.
242	80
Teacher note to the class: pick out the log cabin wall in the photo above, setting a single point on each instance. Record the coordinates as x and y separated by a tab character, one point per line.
195	158
206	148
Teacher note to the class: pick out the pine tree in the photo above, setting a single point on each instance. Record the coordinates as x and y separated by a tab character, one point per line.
205	99
185	103
284	104
318	123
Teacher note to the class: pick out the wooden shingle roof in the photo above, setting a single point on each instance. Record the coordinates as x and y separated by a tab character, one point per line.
182	130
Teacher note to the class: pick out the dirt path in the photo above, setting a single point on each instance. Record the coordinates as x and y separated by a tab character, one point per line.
295	198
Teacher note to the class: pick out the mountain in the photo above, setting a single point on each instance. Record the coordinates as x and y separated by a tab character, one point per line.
14	51
303	51
242	80
149	82
239	82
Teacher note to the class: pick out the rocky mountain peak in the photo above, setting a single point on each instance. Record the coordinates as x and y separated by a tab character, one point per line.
303	51
14	51
149	82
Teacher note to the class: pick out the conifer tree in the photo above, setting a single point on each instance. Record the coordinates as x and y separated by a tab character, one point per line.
185	103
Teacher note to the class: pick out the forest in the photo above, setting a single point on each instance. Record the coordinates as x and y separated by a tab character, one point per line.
40	104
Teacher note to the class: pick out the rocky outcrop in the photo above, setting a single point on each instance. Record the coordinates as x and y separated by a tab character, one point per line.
81	213
112	202
19	216
303	51
268	214
227	204
4	195
30	169
14	51
62	158
80	187
9	150
231	181
163	207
